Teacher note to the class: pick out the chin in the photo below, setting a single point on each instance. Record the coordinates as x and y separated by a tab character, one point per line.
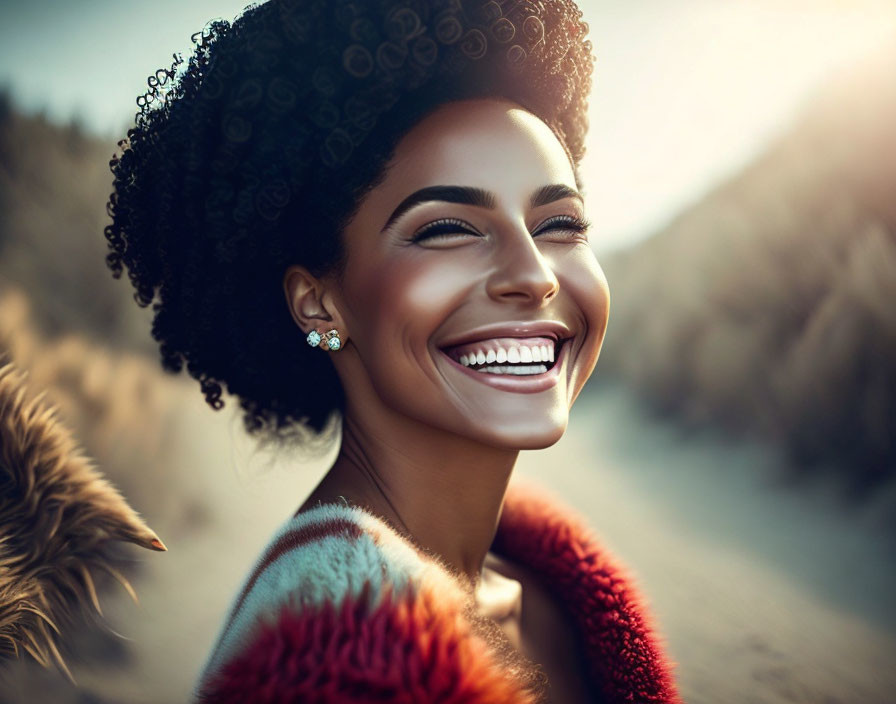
535	435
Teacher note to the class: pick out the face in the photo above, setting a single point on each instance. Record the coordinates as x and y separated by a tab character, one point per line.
471	298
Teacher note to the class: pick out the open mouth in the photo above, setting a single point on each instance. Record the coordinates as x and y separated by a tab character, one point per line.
508	356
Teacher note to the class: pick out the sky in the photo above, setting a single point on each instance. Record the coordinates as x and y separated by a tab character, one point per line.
686	92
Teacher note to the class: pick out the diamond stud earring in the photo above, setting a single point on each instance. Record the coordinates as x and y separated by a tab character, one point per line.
332	340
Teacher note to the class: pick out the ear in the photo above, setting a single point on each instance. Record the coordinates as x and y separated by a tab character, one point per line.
310	301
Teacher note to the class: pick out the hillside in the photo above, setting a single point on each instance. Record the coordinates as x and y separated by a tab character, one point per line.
768	307
54	184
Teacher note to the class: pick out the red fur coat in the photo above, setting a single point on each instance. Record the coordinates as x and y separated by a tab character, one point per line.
340	608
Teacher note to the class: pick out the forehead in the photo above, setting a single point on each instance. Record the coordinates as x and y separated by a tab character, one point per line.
490	143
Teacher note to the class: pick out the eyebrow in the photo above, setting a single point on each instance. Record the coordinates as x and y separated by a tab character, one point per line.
479	197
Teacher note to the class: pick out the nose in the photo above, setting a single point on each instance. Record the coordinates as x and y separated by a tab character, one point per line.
521	272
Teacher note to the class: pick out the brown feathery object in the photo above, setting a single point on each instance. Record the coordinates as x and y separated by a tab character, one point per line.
58	517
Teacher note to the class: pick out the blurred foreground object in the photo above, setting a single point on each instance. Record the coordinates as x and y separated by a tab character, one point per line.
768	307
58	516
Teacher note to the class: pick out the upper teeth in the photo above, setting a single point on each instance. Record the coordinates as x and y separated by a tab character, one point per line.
519	354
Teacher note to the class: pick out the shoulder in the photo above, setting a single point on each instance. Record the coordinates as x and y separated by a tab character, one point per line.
332	599
625	650
325	554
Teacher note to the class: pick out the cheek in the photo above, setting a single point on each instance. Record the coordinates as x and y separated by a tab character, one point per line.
588	288
598	295
410	296
587	285
396	310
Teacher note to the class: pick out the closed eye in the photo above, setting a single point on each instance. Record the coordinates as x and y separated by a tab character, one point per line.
441	229
449	227
568	223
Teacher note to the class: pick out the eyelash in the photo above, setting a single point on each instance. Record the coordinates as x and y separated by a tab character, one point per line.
574	223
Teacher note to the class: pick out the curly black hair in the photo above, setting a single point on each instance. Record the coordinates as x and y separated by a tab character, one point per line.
257	154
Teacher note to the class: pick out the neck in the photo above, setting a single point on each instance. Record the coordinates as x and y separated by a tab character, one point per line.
440	490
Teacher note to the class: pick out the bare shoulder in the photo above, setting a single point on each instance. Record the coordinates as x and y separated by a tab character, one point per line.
541	612
547	633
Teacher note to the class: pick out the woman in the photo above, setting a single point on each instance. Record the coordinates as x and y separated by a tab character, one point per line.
373	212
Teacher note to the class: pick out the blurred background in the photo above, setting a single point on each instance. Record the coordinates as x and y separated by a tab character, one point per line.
736	446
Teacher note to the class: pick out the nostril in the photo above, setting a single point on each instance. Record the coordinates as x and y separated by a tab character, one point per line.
531	282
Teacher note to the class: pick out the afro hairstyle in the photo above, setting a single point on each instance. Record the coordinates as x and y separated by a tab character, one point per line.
255	155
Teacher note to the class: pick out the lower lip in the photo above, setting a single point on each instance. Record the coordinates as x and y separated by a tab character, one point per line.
528	384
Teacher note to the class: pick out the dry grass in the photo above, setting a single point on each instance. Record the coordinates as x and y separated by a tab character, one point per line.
80	338
57	517
117	403
124	411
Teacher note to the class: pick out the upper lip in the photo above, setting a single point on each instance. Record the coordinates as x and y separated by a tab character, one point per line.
533	328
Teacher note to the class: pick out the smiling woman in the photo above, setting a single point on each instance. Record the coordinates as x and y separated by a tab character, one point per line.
372	213
497	265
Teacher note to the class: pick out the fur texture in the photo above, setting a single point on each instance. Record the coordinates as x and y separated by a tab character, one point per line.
623	647
58	516
417	645
409	648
